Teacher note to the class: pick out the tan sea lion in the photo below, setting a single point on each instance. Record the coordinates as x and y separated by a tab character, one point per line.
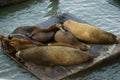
20	44
67	37
89	34
54	55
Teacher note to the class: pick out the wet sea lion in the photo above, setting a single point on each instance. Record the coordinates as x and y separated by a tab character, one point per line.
45	34
67	37
89	34
23	37
54	55
37	33
20	44
17	43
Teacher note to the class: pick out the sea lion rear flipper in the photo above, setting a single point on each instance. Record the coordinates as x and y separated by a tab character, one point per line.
49	71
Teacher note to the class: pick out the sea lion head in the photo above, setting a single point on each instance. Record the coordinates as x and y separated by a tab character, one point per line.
15	42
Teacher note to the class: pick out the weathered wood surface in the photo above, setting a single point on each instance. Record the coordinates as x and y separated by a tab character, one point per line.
103	52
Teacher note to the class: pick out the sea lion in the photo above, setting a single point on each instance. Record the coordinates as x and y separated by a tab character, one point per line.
67	37
17	43
89	34
23	37
20	44
54	55
37	33
45	34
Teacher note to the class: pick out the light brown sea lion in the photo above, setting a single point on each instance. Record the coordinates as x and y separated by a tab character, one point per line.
20	44
89	34
37	33
67	37
54	55
22	37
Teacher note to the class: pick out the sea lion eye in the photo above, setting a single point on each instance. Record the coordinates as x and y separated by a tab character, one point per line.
12	43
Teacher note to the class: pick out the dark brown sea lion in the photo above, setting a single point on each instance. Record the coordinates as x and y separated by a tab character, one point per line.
37	33
67	37
89	34
45	34
54	55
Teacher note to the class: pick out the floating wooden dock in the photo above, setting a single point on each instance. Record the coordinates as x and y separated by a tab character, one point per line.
103	52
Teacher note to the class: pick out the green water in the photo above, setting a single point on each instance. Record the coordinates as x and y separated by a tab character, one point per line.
102	13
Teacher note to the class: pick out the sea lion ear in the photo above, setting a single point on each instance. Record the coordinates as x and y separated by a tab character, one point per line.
18	54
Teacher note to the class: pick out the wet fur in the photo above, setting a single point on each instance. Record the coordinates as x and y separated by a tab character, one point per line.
67	37
36	33
89	34
54	55
20	44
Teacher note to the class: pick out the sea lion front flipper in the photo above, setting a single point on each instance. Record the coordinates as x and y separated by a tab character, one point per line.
61	44
118	39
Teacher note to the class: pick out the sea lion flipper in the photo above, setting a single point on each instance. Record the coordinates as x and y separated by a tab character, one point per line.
61	44
49	71
118	39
